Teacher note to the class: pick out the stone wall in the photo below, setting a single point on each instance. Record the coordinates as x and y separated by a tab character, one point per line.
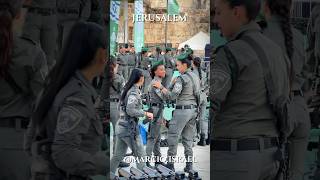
178	32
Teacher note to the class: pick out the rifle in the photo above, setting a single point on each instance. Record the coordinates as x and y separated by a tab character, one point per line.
126	174
138	173
152	173
194	175
165	172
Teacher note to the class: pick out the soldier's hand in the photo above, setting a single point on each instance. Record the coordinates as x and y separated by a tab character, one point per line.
149	115
174	80
157	84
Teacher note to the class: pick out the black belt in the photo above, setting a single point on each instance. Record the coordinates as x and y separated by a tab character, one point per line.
297	93
14	122
122	64
42	11
243	144
114	100
71	177
157	105
186	107
68	11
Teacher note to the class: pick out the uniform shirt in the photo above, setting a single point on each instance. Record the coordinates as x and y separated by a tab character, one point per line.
52	4
160	58
145	63
131	59
82	10
274	32
182	90
241	109
169	61
154	93
313	46
77	138
203	80
133	101
123	59
29	70
117	86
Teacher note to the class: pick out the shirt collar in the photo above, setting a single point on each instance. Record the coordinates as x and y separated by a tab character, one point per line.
87	84
251	26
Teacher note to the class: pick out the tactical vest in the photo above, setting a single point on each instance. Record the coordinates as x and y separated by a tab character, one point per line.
187	95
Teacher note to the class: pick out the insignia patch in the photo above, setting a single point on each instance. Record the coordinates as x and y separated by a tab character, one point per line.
219	80
131	99
177	87
68	119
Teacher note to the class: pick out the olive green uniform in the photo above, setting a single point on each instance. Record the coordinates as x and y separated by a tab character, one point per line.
28	70
68	13
298	140
76	141
127	132
185	90
244	133
41	26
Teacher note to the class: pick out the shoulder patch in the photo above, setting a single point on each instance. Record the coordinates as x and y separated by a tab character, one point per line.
219	80
132	99
68	118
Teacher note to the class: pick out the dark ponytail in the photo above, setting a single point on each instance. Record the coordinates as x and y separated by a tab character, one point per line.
82	44
135	76
8	11
197	63
252	7
282	10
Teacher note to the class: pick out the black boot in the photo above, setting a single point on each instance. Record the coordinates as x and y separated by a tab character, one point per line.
202	140
170	165
188	167
159	163
124	164
208	140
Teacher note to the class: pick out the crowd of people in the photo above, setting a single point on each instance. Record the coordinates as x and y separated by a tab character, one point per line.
146	78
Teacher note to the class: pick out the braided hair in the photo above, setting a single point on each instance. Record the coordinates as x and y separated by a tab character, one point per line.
282	10
197	63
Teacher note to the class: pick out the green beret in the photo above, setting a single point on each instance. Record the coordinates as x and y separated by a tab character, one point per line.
189	51
145	49
182	56
157	63
168	49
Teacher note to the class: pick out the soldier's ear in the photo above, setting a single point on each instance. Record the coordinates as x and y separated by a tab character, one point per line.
100	56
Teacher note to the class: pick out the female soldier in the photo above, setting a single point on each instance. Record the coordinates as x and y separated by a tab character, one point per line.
186	90
279	29
23	69
115	93
158	72
127	133
245	138
204	124
66	132
114	98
